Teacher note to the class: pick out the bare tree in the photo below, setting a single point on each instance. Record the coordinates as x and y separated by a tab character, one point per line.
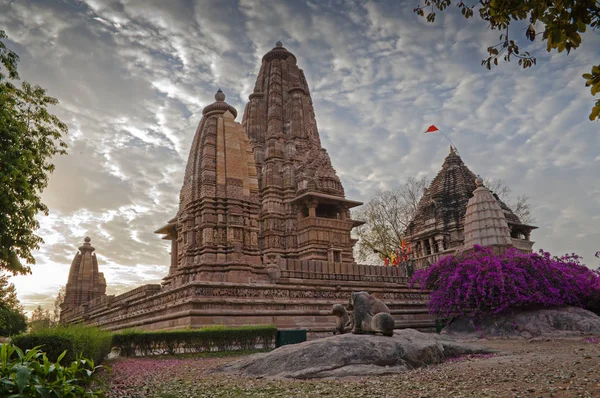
40	319
58	301
386	216
520	205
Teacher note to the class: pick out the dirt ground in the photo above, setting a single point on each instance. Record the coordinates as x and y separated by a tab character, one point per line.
534	368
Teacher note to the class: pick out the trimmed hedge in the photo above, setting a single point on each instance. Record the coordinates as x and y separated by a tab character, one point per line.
89	342
213	338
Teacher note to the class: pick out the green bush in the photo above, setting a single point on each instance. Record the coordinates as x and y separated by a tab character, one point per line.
213	338
87	341
12	320
32	374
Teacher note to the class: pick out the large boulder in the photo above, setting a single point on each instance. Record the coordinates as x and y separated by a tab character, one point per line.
550	322
353	355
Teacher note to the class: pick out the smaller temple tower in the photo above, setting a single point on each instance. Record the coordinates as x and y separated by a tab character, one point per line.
85	282
485	223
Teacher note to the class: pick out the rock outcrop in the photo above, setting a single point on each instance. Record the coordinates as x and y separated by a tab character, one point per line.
353	355
551	322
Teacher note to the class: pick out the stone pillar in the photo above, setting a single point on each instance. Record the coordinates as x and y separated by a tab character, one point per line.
343	213
440	244
174	254
312	208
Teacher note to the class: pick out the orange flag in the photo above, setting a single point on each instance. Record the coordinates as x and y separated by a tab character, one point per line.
431	129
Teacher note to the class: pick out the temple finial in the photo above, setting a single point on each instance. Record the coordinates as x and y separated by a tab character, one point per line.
220	96
279	44
479	181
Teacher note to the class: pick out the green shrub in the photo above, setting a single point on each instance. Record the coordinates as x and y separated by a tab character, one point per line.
87	341
213	338
32	374
53	346
12	320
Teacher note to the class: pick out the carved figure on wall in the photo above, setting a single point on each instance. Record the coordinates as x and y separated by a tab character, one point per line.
343	321
370	314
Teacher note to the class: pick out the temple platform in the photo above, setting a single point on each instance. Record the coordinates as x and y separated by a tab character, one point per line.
300	299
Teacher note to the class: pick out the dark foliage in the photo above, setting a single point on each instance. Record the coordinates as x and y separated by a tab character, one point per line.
89	342
216	338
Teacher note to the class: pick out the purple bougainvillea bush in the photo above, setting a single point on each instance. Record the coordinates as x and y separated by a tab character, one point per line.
480	283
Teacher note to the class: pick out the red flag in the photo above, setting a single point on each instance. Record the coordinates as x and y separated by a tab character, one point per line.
431	129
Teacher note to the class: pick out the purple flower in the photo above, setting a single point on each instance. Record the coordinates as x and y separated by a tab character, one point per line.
480	282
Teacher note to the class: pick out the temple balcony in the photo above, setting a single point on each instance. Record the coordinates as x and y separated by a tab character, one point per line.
424	262
523	245
319	222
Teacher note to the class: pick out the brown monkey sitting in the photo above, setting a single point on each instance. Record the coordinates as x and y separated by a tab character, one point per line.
343	321
370	314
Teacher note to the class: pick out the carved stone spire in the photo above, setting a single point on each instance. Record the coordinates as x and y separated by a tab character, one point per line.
85	282
280	122
485	223
217	221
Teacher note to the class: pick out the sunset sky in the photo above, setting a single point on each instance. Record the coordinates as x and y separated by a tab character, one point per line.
132	77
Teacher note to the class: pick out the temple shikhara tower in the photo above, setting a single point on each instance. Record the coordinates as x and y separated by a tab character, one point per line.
304	213
262	234
85	282
216	227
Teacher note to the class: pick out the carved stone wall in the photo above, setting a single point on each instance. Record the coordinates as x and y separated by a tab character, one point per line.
289	304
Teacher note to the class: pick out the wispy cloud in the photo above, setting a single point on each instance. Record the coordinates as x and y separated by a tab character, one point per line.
132	78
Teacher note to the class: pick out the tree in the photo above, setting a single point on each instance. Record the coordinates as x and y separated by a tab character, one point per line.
58	302
520	205
40	319
44	318
8	59
12	317
559	22
388	213
386	216
29	137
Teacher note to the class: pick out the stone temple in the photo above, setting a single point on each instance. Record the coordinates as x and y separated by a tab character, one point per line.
262	234
85	282
456	212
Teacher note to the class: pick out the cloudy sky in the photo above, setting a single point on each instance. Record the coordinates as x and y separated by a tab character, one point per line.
132	77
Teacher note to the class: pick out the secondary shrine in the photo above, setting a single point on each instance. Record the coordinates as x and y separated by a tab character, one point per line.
456	212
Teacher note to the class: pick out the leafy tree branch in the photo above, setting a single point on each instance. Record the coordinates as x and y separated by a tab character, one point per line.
559	22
